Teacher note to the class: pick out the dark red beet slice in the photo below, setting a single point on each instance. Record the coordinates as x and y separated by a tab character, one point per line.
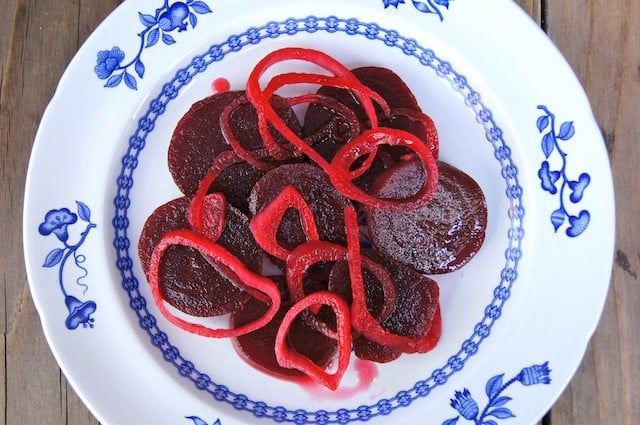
339	282
384	81
189	282
198	139
438	238
404	109
366	349
326	203
414	313
257	347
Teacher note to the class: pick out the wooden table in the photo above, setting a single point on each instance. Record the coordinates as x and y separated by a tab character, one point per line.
600	39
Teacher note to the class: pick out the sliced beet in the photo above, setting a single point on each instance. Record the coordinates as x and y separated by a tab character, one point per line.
198	139
326	203
189	281
330	130
438	238
366	349
340	283
257	347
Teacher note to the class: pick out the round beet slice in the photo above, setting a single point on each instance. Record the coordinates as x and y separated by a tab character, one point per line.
438	238
326	203
414	314
190	282
258	347
198	139
329	129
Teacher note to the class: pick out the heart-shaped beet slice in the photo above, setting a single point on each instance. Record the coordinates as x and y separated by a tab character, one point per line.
438	238
198	139
257	347
189	281
326	203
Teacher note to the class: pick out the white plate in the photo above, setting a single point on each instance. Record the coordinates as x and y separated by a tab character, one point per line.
516	320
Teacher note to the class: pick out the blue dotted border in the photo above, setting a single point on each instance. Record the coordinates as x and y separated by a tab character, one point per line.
412	49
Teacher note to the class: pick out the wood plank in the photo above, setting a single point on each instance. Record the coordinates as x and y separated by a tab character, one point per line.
44	37
533	8
600	40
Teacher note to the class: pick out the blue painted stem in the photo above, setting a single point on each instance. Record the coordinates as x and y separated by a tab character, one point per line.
71	249
563	155
493	398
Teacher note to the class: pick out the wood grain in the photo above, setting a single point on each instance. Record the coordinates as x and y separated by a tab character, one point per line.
601	41
599	38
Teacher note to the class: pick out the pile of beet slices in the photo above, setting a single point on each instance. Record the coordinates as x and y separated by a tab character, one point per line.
316	239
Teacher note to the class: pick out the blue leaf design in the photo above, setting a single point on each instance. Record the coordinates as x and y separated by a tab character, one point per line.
548	143
422	7
139	67
200	7
493	385
567	131
452	421
130	81
114	80
147	20
153	37
542	123
217	422
578	223
54	257
193	20
490	422
500	401
578	187
444	3
501	413
557	218
196	420
83	211
168	39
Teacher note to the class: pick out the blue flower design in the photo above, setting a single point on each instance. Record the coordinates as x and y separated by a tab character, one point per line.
425	6
158	26
556	181
57	222
548	178
393	3
465	404
495	408
108	61
534	375
197	421
79	312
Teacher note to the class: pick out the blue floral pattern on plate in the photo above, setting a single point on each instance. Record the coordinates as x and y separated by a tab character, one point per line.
176	16
198	421
427	6
495	408
56	222
556	181
414	52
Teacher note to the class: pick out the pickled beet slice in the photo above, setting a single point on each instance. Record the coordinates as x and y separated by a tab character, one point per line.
366	349
414	315
322	123
222	259
288	356
198	139
257	347
439	237
188	281
323	199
